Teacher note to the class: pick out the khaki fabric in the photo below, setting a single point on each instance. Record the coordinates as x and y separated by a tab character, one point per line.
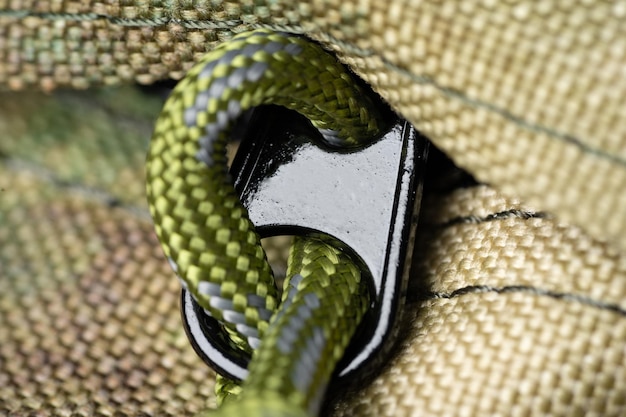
516	301
528	96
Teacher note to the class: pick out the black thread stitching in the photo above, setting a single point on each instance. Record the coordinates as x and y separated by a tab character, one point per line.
502	215
482	289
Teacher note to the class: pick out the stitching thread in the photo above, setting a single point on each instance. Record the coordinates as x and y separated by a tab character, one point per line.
507	289
517	120
502	215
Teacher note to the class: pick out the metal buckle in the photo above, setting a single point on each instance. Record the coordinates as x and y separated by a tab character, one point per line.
366	199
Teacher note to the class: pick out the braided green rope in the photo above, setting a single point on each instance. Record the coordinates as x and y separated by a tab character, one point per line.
323	299
203	228
201	224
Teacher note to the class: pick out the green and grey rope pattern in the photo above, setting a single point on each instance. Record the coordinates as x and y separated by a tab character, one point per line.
205	231
323	300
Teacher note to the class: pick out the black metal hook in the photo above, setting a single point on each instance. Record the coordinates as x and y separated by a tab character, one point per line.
367	199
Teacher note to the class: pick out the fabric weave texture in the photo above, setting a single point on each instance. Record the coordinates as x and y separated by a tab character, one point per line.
516	300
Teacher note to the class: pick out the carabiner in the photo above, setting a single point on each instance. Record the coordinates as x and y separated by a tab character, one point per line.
365	199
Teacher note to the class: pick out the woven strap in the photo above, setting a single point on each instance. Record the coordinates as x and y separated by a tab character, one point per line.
509	309
525	95
511	312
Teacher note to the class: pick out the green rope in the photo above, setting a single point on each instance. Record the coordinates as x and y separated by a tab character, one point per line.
208	238
203	228
292	368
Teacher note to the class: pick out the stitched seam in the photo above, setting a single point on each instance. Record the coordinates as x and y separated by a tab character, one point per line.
140	22
508	289
517	120
502	215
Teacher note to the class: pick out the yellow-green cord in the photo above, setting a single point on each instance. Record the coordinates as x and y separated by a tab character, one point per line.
323	300
203	228
206	233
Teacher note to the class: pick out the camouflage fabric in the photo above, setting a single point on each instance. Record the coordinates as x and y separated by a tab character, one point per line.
518	288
